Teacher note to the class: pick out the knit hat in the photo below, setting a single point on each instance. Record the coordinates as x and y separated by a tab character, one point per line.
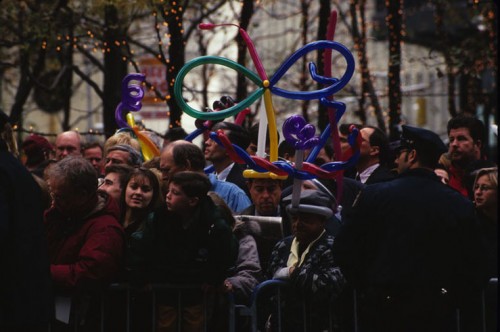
34	147
135	156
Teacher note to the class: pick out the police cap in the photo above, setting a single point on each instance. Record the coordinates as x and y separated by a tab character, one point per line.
422	140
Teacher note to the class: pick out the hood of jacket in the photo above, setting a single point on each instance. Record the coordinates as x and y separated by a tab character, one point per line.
246	227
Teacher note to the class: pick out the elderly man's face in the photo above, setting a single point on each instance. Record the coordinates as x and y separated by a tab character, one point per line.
67	143
167	165
265	194
94	155
307	226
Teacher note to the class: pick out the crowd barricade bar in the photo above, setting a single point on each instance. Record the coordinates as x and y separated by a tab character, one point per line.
262	292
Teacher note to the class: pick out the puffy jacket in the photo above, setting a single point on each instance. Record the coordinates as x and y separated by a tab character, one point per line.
87	250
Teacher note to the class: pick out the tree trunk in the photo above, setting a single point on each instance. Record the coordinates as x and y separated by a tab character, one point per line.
443	38
367	87
176	56
67	64
303	67
324	15
247	10
115	69
26	82
394	22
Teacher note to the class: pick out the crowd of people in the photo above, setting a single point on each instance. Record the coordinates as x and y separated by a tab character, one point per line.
414	232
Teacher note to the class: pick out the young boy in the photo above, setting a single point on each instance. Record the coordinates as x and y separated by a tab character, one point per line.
188	242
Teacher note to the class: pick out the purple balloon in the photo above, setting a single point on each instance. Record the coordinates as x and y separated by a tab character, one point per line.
299	133
132	95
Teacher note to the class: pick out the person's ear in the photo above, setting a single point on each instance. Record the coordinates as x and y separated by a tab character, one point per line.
479	144
375	150
412	156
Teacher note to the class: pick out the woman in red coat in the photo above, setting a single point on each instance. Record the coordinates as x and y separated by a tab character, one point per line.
85	240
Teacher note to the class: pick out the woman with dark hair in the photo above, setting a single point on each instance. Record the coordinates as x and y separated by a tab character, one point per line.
139	198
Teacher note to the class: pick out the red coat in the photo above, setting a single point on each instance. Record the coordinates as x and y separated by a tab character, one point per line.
85	250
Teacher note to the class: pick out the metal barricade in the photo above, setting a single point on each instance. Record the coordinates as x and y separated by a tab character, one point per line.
266	298
174	292
271	294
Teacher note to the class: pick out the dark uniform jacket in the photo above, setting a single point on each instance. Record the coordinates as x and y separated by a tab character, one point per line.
411	232
412	240
380	174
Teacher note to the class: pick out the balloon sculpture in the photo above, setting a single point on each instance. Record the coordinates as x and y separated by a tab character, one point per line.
295	130
132	95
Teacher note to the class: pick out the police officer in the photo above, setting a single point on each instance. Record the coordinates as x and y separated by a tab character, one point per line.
411	246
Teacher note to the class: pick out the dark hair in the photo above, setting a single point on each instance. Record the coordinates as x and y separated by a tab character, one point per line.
175	134
476	127
428	158
329	148
236	134
188	155
285	147
344	127
193	184
142	172
122	170
254	134
91	145
380	139
152	163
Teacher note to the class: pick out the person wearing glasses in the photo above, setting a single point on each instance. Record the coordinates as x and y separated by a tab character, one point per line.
486	202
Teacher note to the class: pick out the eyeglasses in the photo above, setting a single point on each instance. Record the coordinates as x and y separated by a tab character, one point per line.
483	188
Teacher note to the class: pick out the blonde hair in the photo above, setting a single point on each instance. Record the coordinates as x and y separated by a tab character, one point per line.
121	138
491	172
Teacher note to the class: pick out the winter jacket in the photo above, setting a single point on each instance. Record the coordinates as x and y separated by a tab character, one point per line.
202	253
85	251
247	273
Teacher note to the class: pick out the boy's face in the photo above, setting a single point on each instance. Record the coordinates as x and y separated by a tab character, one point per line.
178	201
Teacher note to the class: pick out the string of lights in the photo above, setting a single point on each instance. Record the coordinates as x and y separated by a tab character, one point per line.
90	132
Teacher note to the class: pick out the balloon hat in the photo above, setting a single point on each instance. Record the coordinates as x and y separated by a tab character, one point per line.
296	131
132	95
266	87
